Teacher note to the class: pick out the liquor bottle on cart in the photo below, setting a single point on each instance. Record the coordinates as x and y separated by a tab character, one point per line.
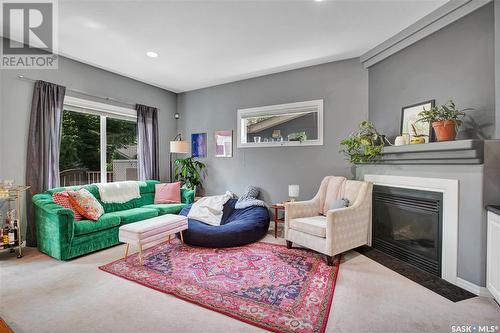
16	231
5	237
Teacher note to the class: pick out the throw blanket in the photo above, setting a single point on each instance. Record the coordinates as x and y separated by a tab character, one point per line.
209	209
119	192
331	189
249	198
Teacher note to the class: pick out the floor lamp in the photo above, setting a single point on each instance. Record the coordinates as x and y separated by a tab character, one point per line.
177	146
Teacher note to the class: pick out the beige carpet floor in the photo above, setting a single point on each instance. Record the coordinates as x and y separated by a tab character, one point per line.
40	294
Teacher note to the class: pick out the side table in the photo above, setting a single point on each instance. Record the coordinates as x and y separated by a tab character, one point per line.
277	209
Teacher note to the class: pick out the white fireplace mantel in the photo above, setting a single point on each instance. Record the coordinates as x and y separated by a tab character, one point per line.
449	189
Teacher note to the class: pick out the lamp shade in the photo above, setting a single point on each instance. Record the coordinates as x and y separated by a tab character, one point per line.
181	147
293	191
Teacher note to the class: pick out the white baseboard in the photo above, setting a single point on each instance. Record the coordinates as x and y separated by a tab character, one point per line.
473	288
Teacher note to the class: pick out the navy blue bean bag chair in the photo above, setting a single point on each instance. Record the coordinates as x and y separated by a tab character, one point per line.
238	227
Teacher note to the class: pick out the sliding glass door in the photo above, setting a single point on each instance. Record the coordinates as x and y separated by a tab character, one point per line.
97	147
121	149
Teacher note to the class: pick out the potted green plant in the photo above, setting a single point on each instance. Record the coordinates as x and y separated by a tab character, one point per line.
445	120
188	171
364	145
298	136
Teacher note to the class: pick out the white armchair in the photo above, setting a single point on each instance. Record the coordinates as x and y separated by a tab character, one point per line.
338	230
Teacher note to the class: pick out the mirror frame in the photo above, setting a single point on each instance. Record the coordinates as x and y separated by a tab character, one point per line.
314	106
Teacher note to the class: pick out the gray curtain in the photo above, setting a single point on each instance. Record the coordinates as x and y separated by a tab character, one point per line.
44	137
147	142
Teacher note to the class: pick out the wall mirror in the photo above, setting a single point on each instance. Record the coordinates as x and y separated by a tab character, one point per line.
291	124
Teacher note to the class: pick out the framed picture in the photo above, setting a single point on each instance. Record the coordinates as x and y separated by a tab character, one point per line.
199	145
224	143
409	116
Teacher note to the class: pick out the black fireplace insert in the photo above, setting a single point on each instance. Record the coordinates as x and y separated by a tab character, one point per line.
407	224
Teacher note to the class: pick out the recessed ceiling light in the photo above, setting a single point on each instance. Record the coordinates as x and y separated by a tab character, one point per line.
152	54
318	0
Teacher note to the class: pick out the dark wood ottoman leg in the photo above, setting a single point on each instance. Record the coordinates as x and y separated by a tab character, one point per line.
288	244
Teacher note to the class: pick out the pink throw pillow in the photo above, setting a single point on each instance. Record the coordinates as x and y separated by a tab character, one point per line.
62	199
168	193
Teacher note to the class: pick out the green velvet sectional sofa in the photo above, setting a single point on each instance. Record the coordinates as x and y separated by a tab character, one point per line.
61	237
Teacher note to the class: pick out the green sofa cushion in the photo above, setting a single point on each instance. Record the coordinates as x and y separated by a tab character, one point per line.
166	208
135	214
106	221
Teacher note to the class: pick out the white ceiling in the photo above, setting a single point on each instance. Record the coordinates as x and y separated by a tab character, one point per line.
205	43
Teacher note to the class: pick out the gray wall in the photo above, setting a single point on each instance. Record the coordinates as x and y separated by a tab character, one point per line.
455	62
344	87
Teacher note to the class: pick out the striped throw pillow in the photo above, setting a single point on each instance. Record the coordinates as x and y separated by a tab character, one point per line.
62	198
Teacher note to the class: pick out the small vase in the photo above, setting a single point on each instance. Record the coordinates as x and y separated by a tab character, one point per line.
399	141
446	130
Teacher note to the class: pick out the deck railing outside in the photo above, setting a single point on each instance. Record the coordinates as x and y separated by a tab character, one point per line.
75	177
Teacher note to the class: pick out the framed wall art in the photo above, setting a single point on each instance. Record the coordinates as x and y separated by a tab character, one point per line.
199	145
224	143
409	124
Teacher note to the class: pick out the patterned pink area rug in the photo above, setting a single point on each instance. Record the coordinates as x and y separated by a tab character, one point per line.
266	285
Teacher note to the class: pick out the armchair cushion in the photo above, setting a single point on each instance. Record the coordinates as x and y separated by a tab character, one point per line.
330	190
314	225
352	189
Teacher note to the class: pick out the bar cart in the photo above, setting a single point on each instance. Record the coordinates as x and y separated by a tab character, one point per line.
12	195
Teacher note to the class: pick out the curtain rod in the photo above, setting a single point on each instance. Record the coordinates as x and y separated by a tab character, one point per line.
132	105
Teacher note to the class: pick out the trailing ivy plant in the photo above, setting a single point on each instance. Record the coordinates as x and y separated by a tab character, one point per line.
188	171
364	145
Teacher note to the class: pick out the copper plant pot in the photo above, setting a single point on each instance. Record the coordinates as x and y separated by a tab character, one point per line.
446	130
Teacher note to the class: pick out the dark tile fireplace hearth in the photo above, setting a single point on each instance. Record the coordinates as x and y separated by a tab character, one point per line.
427	280
407	224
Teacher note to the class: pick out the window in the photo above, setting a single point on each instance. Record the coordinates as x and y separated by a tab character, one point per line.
98	143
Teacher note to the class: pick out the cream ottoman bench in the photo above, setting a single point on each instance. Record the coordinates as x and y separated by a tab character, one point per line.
151	230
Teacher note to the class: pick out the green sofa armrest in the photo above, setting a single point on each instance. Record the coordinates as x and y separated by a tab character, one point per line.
54	226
